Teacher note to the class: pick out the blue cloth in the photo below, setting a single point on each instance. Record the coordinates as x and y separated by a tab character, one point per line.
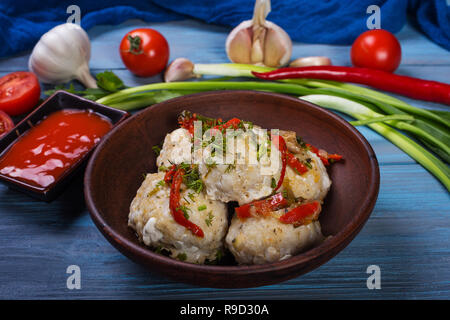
327	21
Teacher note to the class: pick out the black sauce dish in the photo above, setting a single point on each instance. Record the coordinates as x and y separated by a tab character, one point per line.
60	100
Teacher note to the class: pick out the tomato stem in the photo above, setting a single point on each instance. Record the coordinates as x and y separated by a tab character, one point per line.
135	44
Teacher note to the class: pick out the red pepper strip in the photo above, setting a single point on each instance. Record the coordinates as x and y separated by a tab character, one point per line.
279	142
230	123
302	214
174	205
335	157
295	164
407	86
323	155
188	123
262	207
169	174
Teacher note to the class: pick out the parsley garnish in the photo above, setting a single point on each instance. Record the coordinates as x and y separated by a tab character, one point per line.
308	163
210	218
156	149
182	256
273	183
184	209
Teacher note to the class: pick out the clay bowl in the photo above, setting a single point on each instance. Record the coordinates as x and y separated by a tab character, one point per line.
115	171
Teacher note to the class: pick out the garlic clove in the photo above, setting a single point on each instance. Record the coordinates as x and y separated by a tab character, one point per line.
310	61
259	41
278	46
238	43
179	69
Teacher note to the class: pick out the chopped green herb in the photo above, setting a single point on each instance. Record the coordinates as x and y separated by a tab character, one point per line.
156	188
219	255
161	183
163	168
210	218
273	183
301	143
184	209
308	163
182	256
158	249
192	179
156	149
201	208
191	196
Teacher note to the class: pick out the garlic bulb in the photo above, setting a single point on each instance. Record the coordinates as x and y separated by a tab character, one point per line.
63	54
259	41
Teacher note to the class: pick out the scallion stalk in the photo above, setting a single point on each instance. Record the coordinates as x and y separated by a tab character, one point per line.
128	93
417	152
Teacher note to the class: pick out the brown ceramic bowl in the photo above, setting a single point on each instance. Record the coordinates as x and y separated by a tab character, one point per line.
114	174
58	101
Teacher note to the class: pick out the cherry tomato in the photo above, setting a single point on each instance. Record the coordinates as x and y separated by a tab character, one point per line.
376	49
144	51
19	92
6	124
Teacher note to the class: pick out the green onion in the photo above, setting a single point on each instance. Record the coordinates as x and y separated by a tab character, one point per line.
360	112
382	119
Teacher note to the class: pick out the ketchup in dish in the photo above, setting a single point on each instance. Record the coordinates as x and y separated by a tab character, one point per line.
52	146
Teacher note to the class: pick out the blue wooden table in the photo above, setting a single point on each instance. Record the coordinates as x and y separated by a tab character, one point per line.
407	235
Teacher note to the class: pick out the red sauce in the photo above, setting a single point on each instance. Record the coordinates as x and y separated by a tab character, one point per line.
51	147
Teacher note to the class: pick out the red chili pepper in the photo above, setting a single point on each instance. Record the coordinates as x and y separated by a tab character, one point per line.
262	207
295	164
279	142
302	214
407	86
174	205
323	155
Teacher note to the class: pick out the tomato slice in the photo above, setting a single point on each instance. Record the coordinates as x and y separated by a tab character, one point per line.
19	92
6	124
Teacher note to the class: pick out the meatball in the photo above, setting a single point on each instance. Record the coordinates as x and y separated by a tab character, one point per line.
259	240
249	177
176	148
152	220
311	185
